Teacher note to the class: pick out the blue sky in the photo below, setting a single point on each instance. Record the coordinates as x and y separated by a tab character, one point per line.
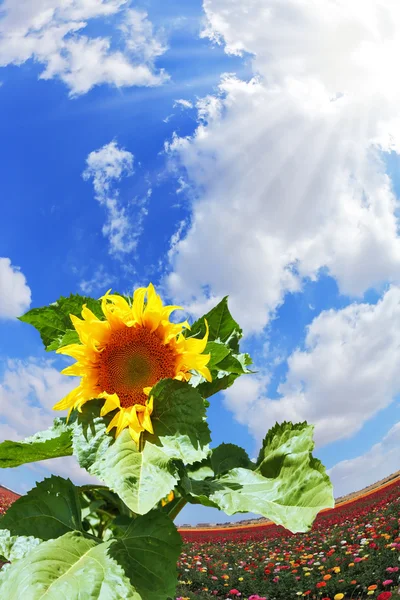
239	166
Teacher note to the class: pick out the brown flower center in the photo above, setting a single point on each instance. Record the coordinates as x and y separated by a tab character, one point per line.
134	358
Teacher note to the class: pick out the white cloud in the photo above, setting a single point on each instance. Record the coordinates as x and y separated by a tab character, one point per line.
105	167
50	32
287	166
15	294
347	372
28	391
381	460
100	280
183	103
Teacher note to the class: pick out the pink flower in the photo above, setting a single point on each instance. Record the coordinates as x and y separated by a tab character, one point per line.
234	592
392	569
214	578
257	597
387	582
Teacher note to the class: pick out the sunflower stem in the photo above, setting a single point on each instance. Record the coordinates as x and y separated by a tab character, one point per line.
177	508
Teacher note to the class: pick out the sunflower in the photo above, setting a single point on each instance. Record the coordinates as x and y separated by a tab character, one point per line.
121	357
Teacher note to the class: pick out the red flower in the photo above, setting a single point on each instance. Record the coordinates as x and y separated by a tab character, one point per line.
321	584
384	596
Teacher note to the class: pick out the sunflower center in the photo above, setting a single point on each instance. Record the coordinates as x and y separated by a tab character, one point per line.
134	358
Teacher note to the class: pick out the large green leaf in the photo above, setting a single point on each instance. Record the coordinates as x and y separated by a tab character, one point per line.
228	456
14	547
288	486
72	567
148	552
179	421
53	322
52	443
47	511
141	479
89	438
222	326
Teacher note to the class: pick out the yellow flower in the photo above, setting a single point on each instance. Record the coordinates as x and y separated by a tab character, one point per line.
336	569
168	499
123	356
339	596
240	579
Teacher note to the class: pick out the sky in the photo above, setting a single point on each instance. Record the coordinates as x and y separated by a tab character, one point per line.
248	148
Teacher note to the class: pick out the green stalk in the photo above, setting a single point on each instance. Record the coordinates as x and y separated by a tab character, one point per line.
177	508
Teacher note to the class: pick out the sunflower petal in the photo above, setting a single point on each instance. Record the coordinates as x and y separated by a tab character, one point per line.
112	402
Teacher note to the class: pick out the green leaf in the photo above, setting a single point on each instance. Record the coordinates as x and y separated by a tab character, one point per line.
53	322
89	438
52	443
226	362
289	486
179	421
71	567
148	552
47	511
222	326
219	382
235	363
14	547
141	479
218	352
228	456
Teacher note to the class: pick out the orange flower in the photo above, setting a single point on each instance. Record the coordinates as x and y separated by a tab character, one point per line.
372	587
327	577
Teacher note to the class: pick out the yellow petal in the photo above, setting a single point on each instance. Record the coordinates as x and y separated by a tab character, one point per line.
146	421
195	345
76	370
114	422
112	402
77	351
135	435
69	400
138	304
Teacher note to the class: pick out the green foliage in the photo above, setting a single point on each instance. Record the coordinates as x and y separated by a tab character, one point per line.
288	486
180	433
119	464
51	443
148	552
53	322
222	326
13	547
49	510
228	456
72	566
116	540
179	421
226	362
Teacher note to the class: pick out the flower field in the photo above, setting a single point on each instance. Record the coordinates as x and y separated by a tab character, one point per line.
352	552
6	499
